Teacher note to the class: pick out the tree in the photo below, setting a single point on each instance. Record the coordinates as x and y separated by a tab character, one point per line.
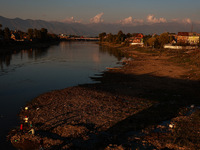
163	39
1	32
37	34
44	35
102	36
21	34
153	42
171	38
53	36
30	33
128	35
146	38
7	33
110	38
120	37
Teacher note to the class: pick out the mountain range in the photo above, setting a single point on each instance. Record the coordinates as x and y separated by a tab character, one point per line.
93	29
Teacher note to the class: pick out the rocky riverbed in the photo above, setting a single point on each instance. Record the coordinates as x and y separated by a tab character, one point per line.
113	114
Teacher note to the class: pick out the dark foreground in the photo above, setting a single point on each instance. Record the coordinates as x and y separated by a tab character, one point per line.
149	103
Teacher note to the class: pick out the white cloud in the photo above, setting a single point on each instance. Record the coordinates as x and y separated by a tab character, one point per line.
153	19
131	21
97	18
128	20
187	20
71	20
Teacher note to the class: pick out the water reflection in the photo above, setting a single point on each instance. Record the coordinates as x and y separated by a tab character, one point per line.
64	45
113	52
34	53
5	60
31	54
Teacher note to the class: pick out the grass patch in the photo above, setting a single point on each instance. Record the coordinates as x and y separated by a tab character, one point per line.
183	57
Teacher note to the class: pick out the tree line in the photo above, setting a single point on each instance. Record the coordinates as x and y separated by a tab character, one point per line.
114	38
156	41
30	35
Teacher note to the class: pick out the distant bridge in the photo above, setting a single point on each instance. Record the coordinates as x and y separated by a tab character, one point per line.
85	39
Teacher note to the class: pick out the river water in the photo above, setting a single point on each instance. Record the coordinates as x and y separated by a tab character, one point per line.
26	74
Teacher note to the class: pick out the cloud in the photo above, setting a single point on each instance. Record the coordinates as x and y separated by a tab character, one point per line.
128	20
153	19
131	21
97	18
187	21
71	20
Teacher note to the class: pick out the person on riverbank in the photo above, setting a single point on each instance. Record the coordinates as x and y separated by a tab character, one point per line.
21	128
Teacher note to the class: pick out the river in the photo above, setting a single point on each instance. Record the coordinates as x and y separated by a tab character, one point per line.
28	73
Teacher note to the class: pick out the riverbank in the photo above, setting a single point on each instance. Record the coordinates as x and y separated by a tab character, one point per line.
116	113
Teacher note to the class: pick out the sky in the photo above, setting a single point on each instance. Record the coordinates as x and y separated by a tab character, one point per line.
107	11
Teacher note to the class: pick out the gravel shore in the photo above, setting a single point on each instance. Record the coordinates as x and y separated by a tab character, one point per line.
112	114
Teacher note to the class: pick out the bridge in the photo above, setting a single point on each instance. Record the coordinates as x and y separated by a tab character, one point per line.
85	39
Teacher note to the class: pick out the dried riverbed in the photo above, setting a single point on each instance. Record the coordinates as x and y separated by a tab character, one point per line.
115	113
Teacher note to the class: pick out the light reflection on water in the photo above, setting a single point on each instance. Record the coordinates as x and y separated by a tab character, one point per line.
28	73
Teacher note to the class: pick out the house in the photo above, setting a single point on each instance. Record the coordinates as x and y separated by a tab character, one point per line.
182	37
193	38
136	39
15	36
188	38
63	36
